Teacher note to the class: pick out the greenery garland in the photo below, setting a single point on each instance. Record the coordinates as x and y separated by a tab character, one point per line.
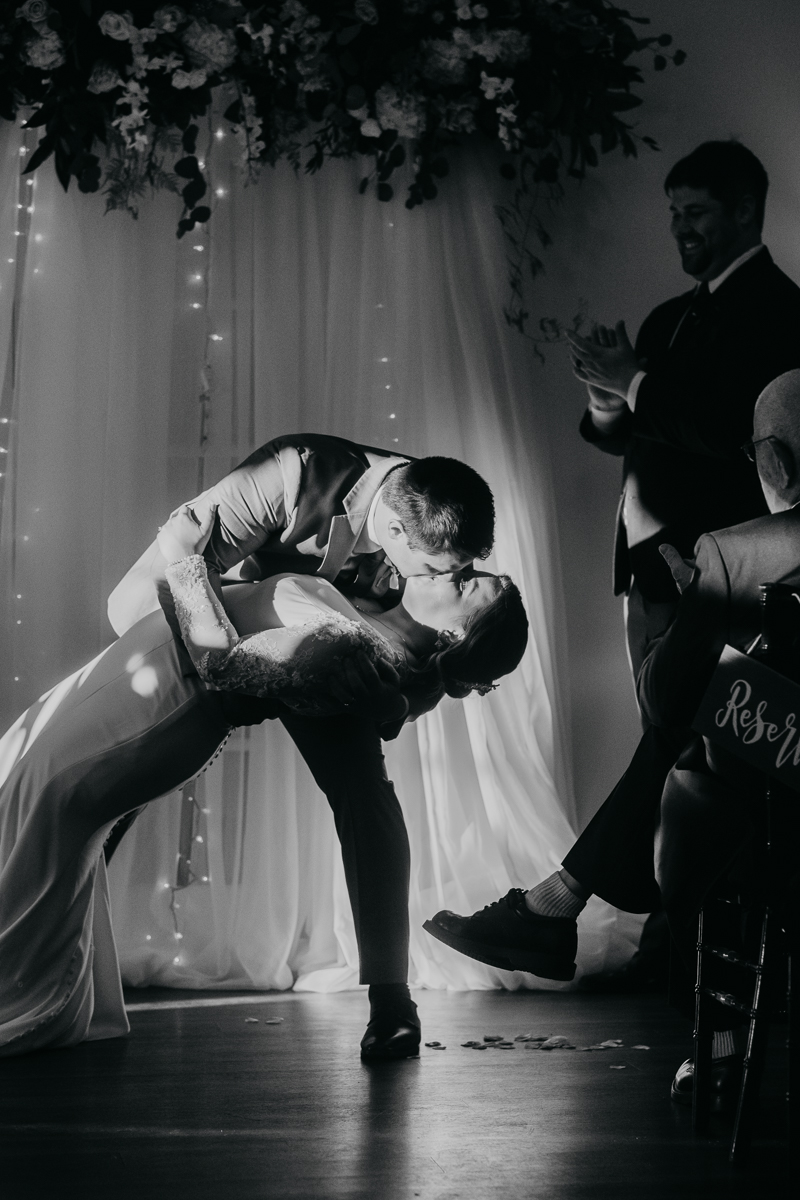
118	94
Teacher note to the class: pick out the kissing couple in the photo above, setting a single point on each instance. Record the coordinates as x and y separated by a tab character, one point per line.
326	584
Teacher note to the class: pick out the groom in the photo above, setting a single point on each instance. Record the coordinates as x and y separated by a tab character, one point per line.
363	519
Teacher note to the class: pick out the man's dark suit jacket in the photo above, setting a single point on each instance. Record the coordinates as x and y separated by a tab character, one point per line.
614	855
693	412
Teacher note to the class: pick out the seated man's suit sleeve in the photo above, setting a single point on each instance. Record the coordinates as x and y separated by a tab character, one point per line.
679	665
253	502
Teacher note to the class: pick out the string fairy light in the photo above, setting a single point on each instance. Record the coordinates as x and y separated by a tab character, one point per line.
15	268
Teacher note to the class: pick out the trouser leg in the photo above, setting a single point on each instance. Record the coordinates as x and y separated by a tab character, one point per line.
645	620
345	757
613	857
703	826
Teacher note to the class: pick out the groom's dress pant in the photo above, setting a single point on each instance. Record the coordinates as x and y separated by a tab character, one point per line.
345	757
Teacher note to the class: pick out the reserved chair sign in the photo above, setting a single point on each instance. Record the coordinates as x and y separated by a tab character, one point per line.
753	712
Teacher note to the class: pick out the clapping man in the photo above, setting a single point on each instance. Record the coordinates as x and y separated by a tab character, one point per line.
678	405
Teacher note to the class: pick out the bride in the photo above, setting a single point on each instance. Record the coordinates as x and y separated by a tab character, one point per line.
134	725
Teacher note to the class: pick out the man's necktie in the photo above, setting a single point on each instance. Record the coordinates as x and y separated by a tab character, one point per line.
694	315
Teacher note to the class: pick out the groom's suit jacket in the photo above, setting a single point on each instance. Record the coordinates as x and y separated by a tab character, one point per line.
299	503
706	366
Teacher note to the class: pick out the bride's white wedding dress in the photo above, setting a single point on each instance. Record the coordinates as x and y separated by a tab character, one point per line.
129	727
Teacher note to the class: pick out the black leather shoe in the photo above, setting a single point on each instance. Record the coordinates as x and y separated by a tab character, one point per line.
392	1033
508	935
726	1079
636	975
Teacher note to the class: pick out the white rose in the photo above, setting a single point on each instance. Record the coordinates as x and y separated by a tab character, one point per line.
34	11
118	26
209	47
46	53
104	78
371	128
366	11
188	79
168	18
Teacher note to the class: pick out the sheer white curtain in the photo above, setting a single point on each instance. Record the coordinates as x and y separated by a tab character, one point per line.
144	368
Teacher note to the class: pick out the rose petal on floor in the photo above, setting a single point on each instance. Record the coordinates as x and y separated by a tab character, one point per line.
251	1020
640	1047
617	1066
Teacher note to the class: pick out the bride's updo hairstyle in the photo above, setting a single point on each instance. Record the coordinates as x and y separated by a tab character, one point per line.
494	641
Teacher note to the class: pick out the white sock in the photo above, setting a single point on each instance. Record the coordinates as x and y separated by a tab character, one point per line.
730	1041
552	898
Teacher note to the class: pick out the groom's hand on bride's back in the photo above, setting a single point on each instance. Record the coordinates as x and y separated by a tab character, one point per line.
370	689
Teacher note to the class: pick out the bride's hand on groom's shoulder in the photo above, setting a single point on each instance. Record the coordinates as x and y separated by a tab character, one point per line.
186	532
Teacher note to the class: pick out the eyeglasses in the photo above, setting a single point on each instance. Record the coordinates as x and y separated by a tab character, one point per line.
749	448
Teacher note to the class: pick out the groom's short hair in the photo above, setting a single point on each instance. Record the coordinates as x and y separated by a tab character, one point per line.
443	505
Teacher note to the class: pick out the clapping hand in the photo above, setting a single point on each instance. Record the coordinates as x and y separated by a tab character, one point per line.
185	532
606	362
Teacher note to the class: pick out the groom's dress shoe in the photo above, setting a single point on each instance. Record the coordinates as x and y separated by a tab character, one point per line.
508	935
393	1032
726	1079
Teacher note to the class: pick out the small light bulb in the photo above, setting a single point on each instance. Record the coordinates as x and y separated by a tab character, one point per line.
12	260
220	192
201	162
29	182
17	233
19	622
383	360
197	278
23	150
178	936
20	206
220	134
177	959
392	416
198	838
204	878
31	209
215	337
198	247
148	937
16	679
196	305
38	238
26	538
395	439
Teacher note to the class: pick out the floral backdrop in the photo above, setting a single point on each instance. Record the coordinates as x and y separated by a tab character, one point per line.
121	95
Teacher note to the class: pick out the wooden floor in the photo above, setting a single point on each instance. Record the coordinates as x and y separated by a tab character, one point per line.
206	1102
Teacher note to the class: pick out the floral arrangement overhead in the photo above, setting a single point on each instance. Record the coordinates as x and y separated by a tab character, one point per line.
119	93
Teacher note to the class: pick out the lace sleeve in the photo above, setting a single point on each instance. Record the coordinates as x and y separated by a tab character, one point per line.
288	664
